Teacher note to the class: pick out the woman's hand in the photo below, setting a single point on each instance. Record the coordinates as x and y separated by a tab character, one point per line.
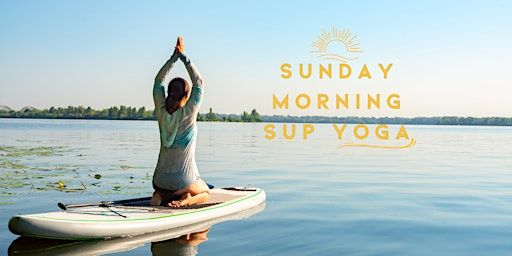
180	46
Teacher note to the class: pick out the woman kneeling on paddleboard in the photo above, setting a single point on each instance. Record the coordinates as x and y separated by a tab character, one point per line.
176	173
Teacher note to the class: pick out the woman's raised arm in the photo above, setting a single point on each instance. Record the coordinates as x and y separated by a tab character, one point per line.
158	88
195	76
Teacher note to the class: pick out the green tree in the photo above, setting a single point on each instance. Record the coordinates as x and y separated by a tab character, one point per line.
141	112
210	116
255	116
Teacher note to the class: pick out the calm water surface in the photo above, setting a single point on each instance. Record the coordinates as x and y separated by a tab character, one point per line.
448	195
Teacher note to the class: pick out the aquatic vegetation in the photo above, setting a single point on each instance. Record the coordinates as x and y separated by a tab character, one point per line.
12	164
41	169
61	185
64	167
15	177
12	151
5	193
14	184
127	167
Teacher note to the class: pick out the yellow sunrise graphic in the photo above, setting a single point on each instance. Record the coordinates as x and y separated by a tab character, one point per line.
345	37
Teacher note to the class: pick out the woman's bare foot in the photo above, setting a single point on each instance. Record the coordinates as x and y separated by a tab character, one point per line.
184	201
156	199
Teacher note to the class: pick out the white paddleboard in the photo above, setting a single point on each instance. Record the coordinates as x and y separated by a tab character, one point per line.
100	222
44	247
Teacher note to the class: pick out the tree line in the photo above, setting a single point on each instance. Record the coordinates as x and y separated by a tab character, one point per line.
133	113
119	113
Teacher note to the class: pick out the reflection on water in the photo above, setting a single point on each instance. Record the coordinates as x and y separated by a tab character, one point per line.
179	241
451	191
183	245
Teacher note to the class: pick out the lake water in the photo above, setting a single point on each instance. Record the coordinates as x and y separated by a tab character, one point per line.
450	194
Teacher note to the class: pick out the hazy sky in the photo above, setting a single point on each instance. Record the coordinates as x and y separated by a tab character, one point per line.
450	57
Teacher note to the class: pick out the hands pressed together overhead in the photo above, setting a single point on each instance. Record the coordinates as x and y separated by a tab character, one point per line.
179	50
180	46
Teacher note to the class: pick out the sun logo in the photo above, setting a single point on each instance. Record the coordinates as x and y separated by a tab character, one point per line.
344	37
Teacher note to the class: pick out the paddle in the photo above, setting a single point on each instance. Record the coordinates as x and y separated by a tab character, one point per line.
102	203
109	203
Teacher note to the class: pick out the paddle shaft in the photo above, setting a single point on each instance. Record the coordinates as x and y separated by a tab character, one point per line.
101	204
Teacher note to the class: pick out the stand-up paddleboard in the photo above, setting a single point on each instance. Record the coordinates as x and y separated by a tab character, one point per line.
131	217
44	247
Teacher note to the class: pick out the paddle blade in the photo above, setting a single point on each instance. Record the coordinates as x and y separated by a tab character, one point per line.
62	206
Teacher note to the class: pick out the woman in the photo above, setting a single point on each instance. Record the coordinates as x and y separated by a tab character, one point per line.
176	175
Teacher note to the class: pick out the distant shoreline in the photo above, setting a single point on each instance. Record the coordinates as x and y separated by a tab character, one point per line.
133	113
279	121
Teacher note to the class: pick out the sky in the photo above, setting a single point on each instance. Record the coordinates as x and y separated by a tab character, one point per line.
449	57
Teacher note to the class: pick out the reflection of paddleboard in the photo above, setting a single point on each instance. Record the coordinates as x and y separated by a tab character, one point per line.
131	217
42	247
